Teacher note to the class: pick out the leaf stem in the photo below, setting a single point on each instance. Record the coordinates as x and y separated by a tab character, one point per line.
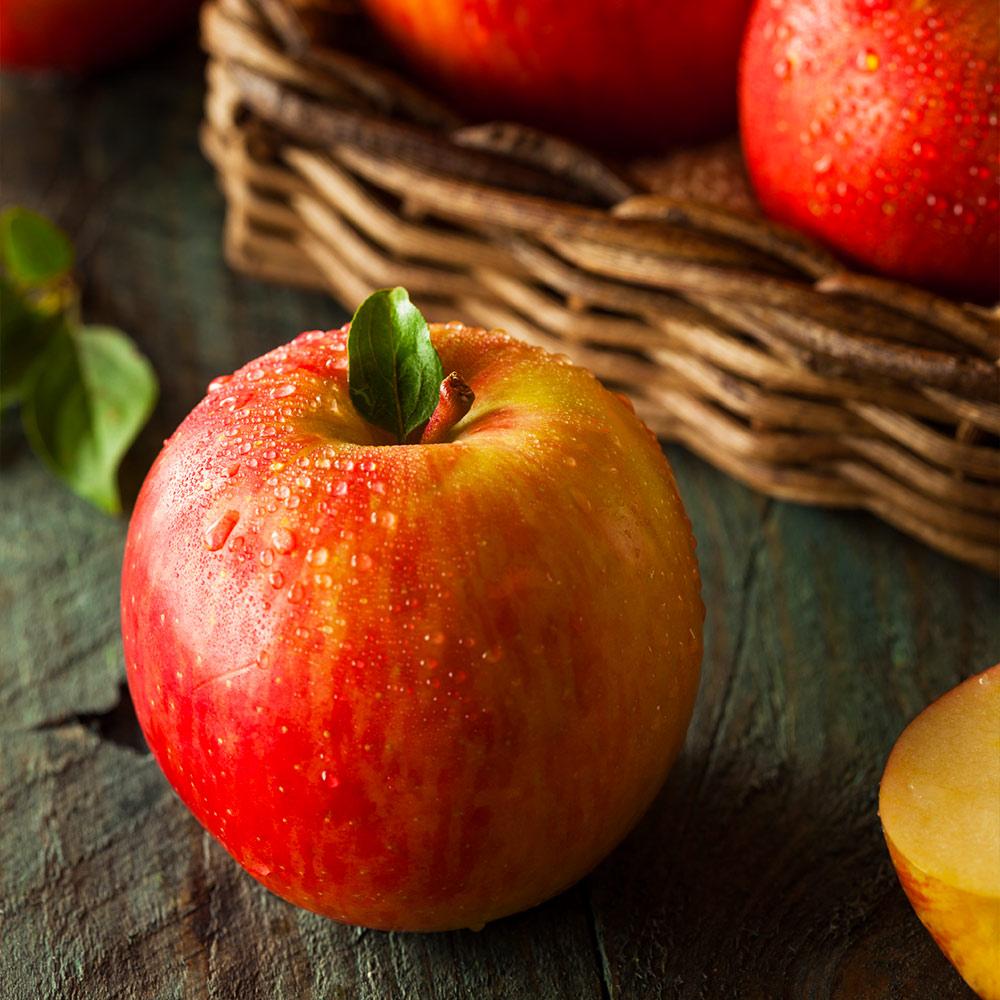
454	402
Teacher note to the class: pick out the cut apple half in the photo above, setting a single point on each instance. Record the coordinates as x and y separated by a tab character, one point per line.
940	809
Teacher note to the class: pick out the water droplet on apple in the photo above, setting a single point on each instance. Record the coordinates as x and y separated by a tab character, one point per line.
283	540
868	61
295	593
276	580
282	391
318	557
217	383
266	557
217	533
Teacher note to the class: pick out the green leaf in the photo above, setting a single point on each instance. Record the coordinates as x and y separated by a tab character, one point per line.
25	332
394	373
91	396
34	250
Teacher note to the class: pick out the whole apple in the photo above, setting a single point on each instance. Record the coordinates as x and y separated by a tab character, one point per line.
80	35
422	685
872	125
637	73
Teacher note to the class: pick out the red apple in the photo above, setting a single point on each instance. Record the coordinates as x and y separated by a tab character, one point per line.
414	686
638	73
872	125
83	34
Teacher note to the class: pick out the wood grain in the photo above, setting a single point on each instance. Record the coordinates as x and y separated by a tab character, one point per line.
759	871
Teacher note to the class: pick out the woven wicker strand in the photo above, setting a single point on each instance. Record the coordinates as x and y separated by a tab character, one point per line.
743	341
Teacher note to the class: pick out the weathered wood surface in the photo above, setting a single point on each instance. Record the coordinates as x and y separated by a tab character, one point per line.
760	870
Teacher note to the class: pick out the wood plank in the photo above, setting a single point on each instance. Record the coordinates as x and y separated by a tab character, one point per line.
60	654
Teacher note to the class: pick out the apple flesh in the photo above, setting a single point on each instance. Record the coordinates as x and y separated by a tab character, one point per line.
872	125
940	810
642	74
413	687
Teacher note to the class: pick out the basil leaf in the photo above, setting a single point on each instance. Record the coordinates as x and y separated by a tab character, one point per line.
34	250
394	373
24	334
92	394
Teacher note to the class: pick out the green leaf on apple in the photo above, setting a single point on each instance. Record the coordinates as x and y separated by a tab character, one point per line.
34	250
90	398
394	372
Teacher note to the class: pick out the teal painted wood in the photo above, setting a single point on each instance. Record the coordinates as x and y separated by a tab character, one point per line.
759	871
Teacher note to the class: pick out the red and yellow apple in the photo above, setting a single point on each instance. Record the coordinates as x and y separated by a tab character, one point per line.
637	73
82	35
872	125
940	810
413	686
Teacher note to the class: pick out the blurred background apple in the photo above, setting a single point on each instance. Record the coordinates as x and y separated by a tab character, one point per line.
641	74
872	125
82	35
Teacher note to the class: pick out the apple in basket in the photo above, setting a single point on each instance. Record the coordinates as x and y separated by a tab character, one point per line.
940	810
872	125
641	74
83	34
413	674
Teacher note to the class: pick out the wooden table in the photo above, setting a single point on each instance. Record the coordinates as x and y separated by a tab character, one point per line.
759	872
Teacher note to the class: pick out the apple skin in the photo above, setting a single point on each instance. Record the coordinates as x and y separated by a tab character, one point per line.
872	126
642	74
413	687
965	925
82	35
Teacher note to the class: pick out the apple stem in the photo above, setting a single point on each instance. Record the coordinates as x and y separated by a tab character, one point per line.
455	401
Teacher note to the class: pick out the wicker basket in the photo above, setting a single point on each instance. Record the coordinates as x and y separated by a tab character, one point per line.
745	342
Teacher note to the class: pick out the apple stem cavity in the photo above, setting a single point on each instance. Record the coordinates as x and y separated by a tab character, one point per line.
455	399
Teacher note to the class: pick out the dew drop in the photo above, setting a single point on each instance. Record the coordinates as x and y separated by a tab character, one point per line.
281	391
868	61
266	557
276	580
217	533
217	383
283	540
295	593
